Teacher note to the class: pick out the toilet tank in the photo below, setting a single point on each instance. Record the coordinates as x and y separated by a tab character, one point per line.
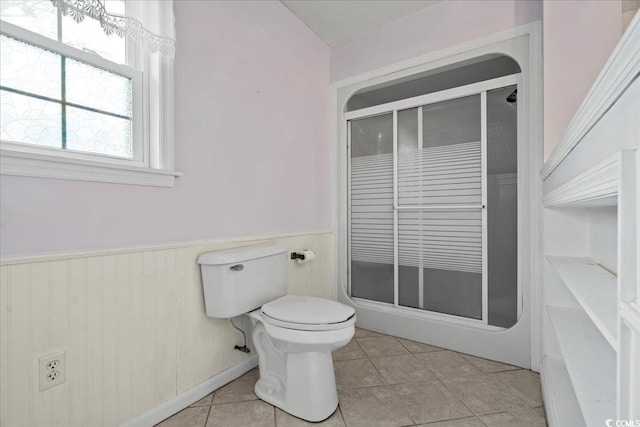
239	280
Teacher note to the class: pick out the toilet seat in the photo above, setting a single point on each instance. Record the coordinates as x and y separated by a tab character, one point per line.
308	313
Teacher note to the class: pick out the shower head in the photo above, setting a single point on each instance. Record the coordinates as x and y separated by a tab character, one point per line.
513	97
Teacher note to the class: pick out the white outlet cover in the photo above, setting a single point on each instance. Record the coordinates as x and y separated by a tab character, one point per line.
58	360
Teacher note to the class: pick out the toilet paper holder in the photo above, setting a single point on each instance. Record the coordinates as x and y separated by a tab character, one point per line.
303	256
298	255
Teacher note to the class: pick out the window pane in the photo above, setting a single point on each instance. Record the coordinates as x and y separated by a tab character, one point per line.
89	35
29	68
96	88
39	16
29	120
98	133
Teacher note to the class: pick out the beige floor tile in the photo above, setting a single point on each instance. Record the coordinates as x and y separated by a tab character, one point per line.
205	401
350	351
418	347
381	346
284	419
484	394
391	390
356	373
541	411
461	422
447	364
242	414
428	401
519	418
403	368
488	366
189	417
365	333
523	383
239	390
372	407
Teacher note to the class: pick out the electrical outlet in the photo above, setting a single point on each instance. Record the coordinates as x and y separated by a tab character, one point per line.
52	370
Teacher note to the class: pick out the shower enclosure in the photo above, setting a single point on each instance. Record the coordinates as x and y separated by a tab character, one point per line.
432	205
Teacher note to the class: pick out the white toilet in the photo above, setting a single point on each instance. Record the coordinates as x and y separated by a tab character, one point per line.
293	335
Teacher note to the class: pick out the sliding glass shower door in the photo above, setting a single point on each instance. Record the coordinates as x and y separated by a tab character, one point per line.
372	221
418	212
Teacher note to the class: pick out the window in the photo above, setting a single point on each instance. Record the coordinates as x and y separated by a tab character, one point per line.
73	97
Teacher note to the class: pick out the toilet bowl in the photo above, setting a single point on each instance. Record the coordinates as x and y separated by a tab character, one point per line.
293	335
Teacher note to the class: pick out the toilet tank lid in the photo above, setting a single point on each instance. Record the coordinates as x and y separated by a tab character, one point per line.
245	253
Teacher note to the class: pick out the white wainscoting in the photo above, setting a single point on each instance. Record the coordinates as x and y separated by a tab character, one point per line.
132	323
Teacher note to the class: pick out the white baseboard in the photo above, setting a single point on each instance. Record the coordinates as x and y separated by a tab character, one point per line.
192	395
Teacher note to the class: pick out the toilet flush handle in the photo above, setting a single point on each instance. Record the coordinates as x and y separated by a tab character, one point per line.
237	267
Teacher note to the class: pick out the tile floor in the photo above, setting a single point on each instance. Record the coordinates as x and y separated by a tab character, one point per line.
390	382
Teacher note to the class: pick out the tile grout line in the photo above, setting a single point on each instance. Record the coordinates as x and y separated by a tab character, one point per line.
384	379
437	378
526	405
455	396
366	356
206	420
344	422
374	365
458	399
511	367
237	401
488	413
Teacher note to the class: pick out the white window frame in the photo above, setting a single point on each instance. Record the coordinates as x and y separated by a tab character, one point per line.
152	124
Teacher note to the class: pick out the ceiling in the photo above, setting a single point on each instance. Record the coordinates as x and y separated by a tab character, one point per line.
337	21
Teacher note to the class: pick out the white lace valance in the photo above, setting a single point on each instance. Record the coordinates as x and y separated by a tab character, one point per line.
155	36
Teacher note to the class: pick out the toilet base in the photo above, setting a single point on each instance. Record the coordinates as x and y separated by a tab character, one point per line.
295	376
310	389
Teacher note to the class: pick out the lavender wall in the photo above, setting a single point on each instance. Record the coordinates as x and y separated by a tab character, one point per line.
446	24
252	138
579	37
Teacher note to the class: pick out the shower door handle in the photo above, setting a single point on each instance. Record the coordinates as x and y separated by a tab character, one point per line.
439	207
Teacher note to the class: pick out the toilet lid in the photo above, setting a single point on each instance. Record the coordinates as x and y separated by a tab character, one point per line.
307	310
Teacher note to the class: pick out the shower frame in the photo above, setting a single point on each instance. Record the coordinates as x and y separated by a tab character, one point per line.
521	344
479	88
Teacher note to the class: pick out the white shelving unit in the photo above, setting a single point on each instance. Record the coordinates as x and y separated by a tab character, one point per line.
561	403
584	377
590	369
594	288
590	363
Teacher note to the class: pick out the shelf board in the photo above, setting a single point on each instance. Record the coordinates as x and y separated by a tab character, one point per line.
594	288
590	362
561	404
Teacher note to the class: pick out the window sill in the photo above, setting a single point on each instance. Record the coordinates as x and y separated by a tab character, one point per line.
22	163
